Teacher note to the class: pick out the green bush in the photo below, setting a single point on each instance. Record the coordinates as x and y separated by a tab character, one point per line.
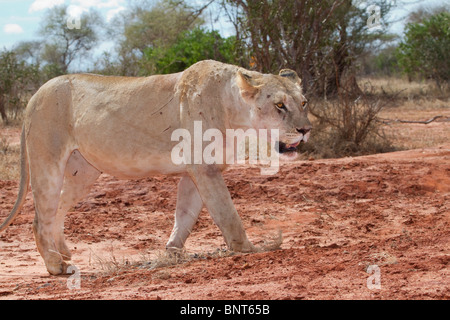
425	51
191	47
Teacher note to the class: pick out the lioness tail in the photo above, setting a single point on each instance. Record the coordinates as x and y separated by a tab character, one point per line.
24	182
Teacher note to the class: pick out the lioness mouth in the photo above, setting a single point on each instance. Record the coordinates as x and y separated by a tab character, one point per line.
282	147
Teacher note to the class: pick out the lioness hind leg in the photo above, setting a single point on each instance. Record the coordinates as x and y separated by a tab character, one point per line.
189	205
46	185
79	176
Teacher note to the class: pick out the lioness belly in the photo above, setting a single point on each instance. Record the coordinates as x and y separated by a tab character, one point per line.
129	165
131	151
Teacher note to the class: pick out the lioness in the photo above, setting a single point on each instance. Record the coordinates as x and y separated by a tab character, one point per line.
78	126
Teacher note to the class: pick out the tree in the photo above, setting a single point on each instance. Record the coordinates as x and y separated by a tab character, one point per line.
318	39
155	26
65	40
29	51
425	50
191	47
17	78
382	62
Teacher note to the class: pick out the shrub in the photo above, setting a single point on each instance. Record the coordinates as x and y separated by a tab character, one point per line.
347	125
17	80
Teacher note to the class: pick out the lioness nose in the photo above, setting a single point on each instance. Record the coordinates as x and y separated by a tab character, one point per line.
304	130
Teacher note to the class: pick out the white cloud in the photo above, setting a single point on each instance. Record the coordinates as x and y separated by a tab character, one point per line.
113	7
99	4
39	5
12	29
75	11
111	13
76	7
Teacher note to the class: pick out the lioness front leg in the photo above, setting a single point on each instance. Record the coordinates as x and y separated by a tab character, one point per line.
217	199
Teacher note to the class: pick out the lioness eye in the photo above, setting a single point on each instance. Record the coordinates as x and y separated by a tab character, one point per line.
281	106
304	104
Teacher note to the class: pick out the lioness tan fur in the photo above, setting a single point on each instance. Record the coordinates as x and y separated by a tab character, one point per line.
78	126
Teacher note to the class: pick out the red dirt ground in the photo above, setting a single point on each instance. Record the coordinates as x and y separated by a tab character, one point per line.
337	217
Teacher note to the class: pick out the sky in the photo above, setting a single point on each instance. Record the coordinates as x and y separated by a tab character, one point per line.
20	19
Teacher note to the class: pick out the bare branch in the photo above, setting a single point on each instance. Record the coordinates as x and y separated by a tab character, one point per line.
435	118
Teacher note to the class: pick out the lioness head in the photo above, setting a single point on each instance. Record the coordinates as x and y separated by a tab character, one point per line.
277	102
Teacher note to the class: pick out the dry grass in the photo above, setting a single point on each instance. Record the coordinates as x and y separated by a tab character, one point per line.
403	88
415	136
415	101
111	264
9	160
273	244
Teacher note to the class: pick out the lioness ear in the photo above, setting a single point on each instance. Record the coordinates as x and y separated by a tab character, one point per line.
247	88
291	75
